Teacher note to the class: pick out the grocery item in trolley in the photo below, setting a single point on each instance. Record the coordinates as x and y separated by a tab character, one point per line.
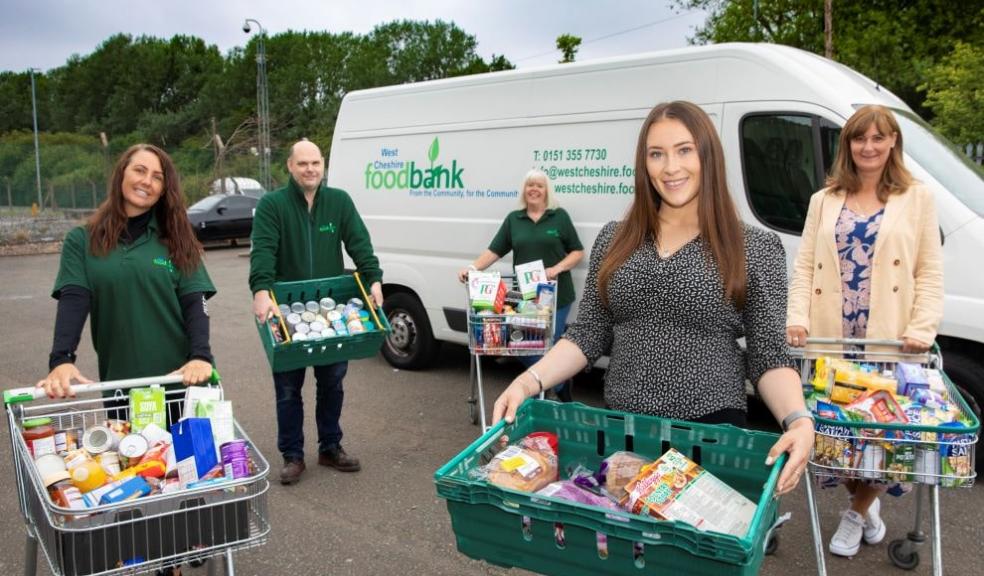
146	407
846	394
527	466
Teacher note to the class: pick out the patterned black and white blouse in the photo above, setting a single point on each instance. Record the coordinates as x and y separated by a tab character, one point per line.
671	336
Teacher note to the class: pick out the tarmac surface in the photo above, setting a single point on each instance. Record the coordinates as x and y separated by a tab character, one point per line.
387	519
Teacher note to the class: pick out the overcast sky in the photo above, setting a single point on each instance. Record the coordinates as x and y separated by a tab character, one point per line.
44	33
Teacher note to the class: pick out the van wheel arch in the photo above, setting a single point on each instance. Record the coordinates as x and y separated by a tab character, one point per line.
411	344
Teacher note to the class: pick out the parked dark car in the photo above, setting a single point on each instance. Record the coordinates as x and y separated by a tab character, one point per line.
223	217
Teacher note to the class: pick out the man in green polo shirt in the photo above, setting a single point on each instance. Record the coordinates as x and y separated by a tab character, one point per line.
298	233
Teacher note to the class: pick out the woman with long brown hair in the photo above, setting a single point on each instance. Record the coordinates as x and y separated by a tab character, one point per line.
869	266
672	288
137	267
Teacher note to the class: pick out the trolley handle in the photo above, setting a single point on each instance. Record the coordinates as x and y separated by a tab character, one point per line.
29	394
930	356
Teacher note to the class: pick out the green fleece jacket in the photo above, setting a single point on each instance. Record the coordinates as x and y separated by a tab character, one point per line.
291	243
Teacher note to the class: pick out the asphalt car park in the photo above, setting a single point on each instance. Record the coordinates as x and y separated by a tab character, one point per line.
403	425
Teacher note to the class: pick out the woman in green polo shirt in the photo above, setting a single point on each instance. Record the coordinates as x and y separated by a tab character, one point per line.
137	268
540	230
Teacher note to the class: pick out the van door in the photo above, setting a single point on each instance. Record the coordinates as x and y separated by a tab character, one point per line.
778	154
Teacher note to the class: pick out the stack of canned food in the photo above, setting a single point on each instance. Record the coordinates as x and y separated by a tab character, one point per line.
314	320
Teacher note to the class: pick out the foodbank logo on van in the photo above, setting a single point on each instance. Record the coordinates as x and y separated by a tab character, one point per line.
409	176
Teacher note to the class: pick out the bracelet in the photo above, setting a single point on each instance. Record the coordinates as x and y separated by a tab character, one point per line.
537	378
794	416
472	267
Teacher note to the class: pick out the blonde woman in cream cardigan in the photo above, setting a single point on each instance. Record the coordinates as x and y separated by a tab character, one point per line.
869	266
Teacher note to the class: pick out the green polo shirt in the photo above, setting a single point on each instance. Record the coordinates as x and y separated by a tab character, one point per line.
135	316
550	239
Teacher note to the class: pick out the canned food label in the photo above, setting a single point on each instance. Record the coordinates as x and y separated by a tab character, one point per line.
42	446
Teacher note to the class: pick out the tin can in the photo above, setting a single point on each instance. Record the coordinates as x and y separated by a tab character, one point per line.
363	315
312	306
293	319
927	465
307	317
355	326
334	315
110	462
492	333
326	305
235	459
339	327
873	461
327	333
302	328
133	447
369	326
297	307
356	303
284	310
317	326
516	334
67	440
299	337
99	439
339	308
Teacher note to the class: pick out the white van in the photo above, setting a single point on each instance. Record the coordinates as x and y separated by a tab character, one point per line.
434	167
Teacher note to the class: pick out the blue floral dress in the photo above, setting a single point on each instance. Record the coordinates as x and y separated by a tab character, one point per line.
855	235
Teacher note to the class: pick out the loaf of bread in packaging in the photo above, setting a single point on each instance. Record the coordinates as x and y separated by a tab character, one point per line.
523	469
620	468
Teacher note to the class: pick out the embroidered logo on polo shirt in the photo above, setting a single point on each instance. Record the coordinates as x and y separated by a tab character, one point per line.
329	227
553	232
165	262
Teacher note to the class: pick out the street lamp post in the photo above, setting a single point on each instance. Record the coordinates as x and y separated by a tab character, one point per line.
37	148
262	103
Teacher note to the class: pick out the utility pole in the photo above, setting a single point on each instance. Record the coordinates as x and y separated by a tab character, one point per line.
37	147
262	104
828	29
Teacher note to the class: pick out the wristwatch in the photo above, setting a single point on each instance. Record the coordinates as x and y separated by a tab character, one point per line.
794	416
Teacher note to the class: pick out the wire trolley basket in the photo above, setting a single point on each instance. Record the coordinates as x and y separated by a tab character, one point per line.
521	328
902	443
138	535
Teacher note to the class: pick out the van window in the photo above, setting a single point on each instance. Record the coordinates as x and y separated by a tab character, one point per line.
780	160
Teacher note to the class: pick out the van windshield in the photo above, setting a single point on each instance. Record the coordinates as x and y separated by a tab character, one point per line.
936	155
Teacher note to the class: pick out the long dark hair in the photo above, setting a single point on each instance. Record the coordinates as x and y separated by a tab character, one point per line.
895	177
174	229
720	227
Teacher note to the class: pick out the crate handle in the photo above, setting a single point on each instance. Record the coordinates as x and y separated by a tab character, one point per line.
369	303
29	394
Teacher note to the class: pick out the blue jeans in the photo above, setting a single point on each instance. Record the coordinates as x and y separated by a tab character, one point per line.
559	327
327	408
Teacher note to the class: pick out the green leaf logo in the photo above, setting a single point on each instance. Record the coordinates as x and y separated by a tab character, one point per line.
435	149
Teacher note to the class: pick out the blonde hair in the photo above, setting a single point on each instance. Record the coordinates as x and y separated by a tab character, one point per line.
895	178
536	174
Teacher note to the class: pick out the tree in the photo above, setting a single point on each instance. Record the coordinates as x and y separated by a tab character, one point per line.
894	42
955	93
568	45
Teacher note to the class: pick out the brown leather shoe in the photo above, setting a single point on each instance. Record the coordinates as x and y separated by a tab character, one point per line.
337	458
292	471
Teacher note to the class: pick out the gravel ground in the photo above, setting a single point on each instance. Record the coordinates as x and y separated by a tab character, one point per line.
23	234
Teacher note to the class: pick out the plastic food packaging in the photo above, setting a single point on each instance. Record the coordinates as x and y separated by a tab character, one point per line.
619	469
526	466
568	490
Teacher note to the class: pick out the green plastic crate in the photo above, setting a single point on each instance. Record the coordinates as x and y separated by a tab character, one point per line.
295	355
488	521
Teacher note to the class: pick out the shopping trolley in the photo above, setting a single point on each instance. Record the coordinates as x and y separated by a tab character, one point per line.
134	536
504	334
941	456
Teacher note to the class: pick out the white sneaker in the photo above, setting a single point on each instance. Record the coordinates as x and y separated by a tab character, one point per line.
874	528
847	540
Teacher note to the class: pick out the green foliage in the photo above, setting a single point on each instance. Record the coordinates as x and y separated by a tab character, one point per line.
894	42
168	92
955	93
568	45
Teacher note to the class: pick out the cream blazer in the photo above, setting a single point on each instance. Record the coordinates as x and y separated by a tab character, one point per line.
906	277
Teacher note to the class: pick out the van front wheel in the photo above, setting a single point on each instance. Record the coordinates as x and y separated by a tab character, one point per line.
411	344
